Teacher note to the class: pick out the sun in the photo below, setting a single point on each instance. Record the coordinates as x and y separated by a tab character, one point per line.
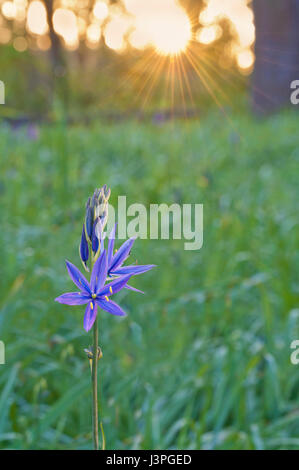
162	24
172	32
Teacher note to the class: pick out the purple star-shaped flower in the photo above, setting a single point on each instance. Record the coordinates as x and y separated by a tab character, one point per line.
96	293
116	261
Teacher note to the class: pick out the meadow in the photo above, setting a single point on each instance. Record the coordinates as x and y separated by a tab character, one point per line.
202	361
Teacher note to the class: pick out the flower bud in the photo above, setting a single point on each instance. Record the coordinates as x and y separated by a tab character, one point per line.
88	221
96	217
89	353
83	249
96	235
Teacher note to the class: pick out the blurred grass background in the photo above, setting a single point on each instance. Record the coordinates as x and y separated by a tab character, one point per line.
203	358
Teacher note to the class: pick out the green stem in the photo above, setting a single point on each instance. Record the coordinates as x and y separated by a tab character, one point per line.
94	380
94	375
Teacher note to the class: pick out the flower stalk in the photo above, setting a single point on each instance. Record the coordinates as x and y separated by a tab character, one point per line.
96	294
95	221
94	379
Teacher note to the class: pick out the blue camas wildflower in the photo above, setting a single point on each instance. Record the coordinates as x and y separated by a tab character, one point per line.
94	293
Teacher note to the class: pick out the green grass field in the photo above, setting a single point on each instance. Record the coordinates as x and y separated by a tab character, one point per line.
203	358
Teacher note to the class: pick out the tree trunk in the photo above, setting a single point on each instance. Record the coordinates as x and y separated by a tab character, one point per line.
55	51
59	81
277	53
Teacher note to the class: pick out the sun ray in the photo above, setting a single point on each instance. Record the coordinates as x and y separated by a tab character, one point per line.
185	75
210	91
155	78
180	79
204	76
207	62
236	75
150	75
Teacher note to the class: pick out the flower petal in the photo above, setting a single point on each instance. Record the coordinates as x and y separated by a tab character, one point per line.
114	286
122	254
78	278
102	243
99	273
90	315
111	244
111	307
133	288
72	298
133	270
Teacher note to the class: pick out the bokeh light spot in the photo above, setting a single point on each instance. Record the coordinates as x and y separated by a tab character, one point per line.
100	11
37	18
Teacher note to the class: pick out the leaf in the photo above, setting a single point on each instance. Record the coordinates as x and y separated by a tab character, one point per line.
6	392
61	406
